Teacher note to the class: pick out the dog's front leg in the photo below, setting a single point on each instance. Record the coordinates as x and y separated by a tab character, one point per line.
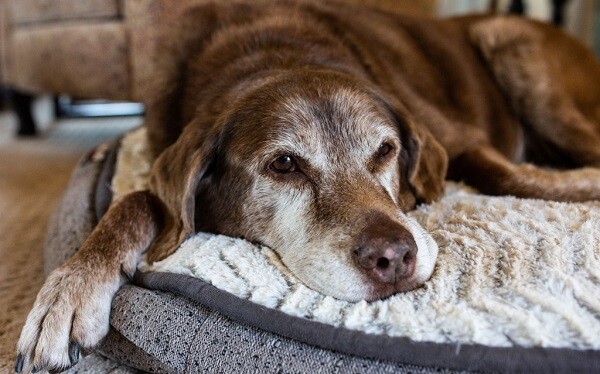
72	309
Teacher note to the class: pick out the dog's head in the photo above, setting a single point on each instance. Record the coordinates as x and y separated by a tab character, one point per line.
318	167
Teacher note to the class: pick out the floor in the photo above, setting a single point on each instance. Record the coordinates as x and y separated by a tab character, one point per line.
33	173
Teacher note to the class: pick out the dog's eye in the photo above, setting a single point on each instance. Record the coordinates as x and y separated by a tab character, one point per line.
283	164
384	149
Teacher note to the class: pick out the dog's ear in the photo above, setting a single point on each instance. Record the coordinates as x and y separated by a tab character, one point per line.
175	177
425	161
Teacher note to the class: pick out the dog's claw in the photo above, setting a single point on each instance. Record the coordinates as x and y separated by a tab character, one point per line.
74	353
50	340
86	352
19	363
60	370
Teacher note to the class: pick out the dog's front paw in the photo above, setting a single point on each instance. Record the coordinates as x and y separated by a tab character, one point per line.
70	313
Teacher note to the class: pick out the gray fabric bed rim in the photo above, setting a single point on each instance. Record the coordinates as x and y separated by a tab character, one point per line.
103	192
342	340
401	350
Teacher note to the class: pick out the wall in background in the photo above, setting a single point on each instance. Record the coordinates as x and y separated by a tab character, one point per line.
581	20
581	16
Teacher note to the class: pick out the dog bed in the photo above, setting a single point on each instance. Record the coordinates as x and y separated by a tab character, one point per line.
516	288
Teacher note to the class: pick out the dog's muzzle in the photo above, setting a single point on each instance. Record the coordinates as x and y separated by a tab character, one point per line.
388	259
388	254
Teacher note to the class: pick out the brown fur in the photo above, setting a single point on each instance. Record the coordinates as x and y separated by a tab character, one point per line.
474	96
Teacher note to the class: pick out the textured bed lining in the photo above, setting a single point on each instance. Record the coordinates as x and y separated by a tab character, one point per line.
396	349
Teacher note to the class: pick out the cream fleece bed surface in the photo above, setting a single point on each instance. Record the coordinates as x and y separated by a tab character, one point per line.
510	272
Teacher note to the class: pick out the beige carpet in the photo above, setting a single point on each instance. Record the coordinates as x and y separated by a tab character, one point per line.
33	173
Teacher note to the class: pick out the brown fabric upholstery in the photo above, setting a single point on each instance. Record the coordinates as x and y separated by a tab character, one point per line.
81	59
30	11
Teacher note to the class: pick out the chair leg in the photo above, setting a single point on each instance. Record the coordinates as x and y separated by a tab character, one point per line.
22	106
558	11
517	7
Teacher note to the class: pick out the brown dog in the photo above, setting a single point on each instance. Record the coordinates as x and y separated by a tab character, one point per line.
311	128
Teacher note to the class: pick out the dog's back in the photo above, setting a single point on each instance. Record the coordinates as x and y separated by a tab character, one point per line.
430	64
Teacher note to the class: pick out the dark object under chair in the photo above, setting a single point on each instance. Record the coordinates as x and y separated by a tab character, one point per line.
22	106
67	107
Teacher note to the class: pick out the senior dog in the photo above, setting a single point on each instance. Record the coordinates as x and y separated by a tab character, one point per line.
311	128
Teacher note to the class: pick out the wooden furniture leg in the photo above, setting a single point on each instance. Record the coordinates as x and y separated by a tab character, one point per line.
22	106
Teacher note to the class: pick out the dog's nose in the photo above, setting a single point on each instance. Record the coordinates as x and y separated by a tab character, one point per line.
387	260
